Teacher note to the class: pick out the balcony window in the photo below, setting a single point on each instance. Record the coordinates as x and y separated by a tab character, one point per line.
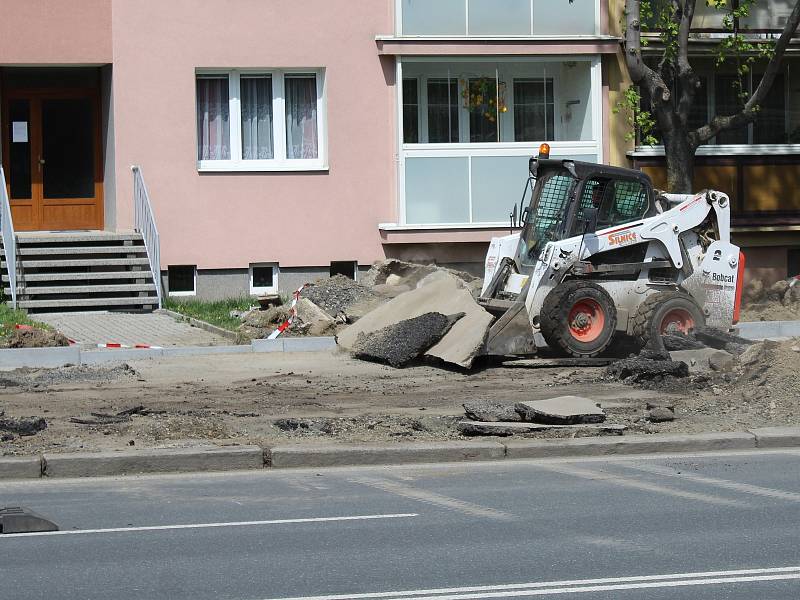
470	126
496	18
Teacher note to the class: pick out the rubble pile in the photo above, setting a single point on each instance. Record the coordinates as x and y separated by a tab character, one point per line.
34	337
779	301
336	295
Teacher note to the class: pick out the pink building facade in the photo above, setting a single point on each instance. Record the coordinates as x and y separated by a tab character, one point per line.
280	144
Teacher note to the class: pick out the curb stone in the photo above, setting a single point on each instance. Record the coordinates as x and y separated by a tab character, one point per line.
96	464
46	358
22	467
332	456
132	462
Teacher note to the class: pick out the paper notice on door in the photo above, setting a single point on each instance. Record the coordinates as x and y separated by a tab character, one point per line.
19	132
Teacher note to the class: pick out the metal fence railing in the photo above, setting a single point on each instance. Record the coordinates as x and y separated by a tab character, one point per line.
9	239
145	223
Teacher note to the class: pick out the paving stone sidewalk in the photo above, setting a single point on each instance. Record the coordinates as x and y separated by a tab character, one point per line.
92	328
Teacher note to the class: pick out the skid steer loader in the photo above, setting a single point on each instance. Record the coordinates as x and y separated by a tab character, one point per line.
602	255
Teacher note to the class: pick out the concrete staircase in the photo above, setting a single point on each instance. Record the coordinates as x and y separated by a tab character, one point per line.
71	271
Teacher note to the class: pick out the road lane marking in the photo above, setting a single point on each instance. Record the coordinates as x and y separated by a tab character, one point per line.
727	484
576	586
638	484
212	525
406	491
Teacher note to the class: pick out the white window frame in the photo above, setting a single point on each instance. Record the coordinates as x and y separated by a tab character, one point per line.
255	291
279	162
193	291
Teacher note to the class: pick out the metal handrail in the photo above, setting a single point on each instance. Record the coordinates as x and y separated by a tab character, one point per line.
9	238
145	223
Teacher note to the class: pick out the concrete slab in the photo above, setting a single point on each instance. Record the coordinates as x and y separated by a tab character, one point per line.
22	467
102	464
15	358
562	410
444	295
267	345
777	437
95	357
309	344
698	360
768	330
506	428
634	444
339	455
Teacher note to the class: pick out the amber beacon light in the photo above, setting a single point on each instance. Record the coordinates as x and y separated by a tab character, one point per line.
544	151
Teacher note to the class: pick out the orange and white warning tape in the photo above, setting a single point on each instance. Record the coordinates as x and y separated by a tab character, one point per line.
292	314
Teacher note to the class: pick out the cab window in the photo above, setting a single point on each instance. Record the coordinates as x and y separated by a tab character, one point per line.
618	201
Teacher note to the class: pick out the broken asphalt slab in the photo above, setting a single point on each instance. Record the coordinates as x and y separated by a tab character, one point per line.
509	428
446	295
562	410
490	411
315	456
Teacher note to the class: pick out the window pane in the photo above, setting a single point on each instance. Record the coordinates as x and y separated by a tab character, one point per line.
727	102
180	278
213	119
496	186
442	111
262	277
302	137
534	110
575	18
482	101
437	190
499	17
770	126
410	111
434	17
256	103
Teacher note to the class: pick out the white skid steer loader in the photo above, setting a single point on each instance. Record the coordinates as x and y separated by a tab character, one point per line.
602	254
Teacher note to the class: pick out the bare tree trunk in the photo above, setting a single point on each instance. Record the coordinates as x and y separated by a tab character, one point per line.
679	153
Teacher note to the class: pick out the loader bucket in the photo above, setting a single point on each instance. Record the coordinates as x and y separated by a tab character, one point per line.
511	335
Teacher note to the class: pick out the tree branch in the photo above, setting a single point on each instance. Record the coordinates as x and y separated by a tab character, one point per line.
750	109
640	73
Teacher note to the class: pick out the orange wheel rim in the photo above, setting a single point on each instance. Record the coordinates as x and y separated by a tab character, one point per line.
586	320
678	320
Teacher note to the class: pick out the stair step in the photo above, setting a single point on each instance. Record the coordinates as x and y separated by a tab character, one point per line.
84	289
88	262
87	302
90	276
73	238
72	250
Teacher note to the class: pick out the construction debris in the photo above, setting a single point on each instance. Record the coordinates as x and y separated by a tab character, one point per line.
336	294
507	428
700	360
489	411
660	414
638	369
34	337
445	295
23	426
563	410
401	343
393	272
123	416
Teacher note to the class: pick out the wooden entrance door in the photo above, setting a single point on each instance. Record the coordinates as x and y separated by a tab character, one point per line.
52	159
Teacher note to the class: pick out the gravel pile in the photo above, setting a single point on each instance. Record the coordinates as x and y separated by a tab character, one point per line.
337	294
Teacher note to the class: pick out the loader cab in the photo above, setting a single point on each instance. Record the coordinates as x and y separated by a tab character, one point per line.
569	196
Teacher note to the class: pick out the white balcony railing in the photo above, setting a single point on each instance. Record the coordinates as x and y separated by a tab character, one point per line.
9	239
523	18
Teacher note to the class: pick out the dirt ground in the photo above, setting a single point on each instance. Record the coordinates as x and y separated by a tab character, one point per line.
321	397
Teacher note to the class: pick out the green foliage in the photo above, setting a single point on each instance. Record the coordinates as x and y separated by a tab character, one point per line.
215	312
640	121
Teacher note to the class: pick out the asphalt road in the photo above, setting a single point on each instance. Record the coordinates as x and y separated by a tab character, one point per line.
699	527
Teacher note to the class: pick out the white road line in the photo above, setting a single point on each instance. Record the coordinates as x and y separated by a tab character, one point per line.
623	481
746	488
406	491
211	525
577	585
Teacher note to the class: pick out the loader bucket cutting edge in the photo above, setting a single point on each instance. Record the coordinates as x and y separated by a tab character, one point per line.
586	320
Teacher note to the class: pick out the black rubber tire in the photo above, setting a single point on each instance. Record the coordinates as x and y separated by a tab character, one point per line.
554	319
647	322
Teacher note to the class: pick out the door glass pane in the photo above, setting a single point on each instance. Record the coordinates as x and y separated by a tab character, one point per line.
410	112
500	17
302	137
442	111
19	158
68	148
483	113
434	17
